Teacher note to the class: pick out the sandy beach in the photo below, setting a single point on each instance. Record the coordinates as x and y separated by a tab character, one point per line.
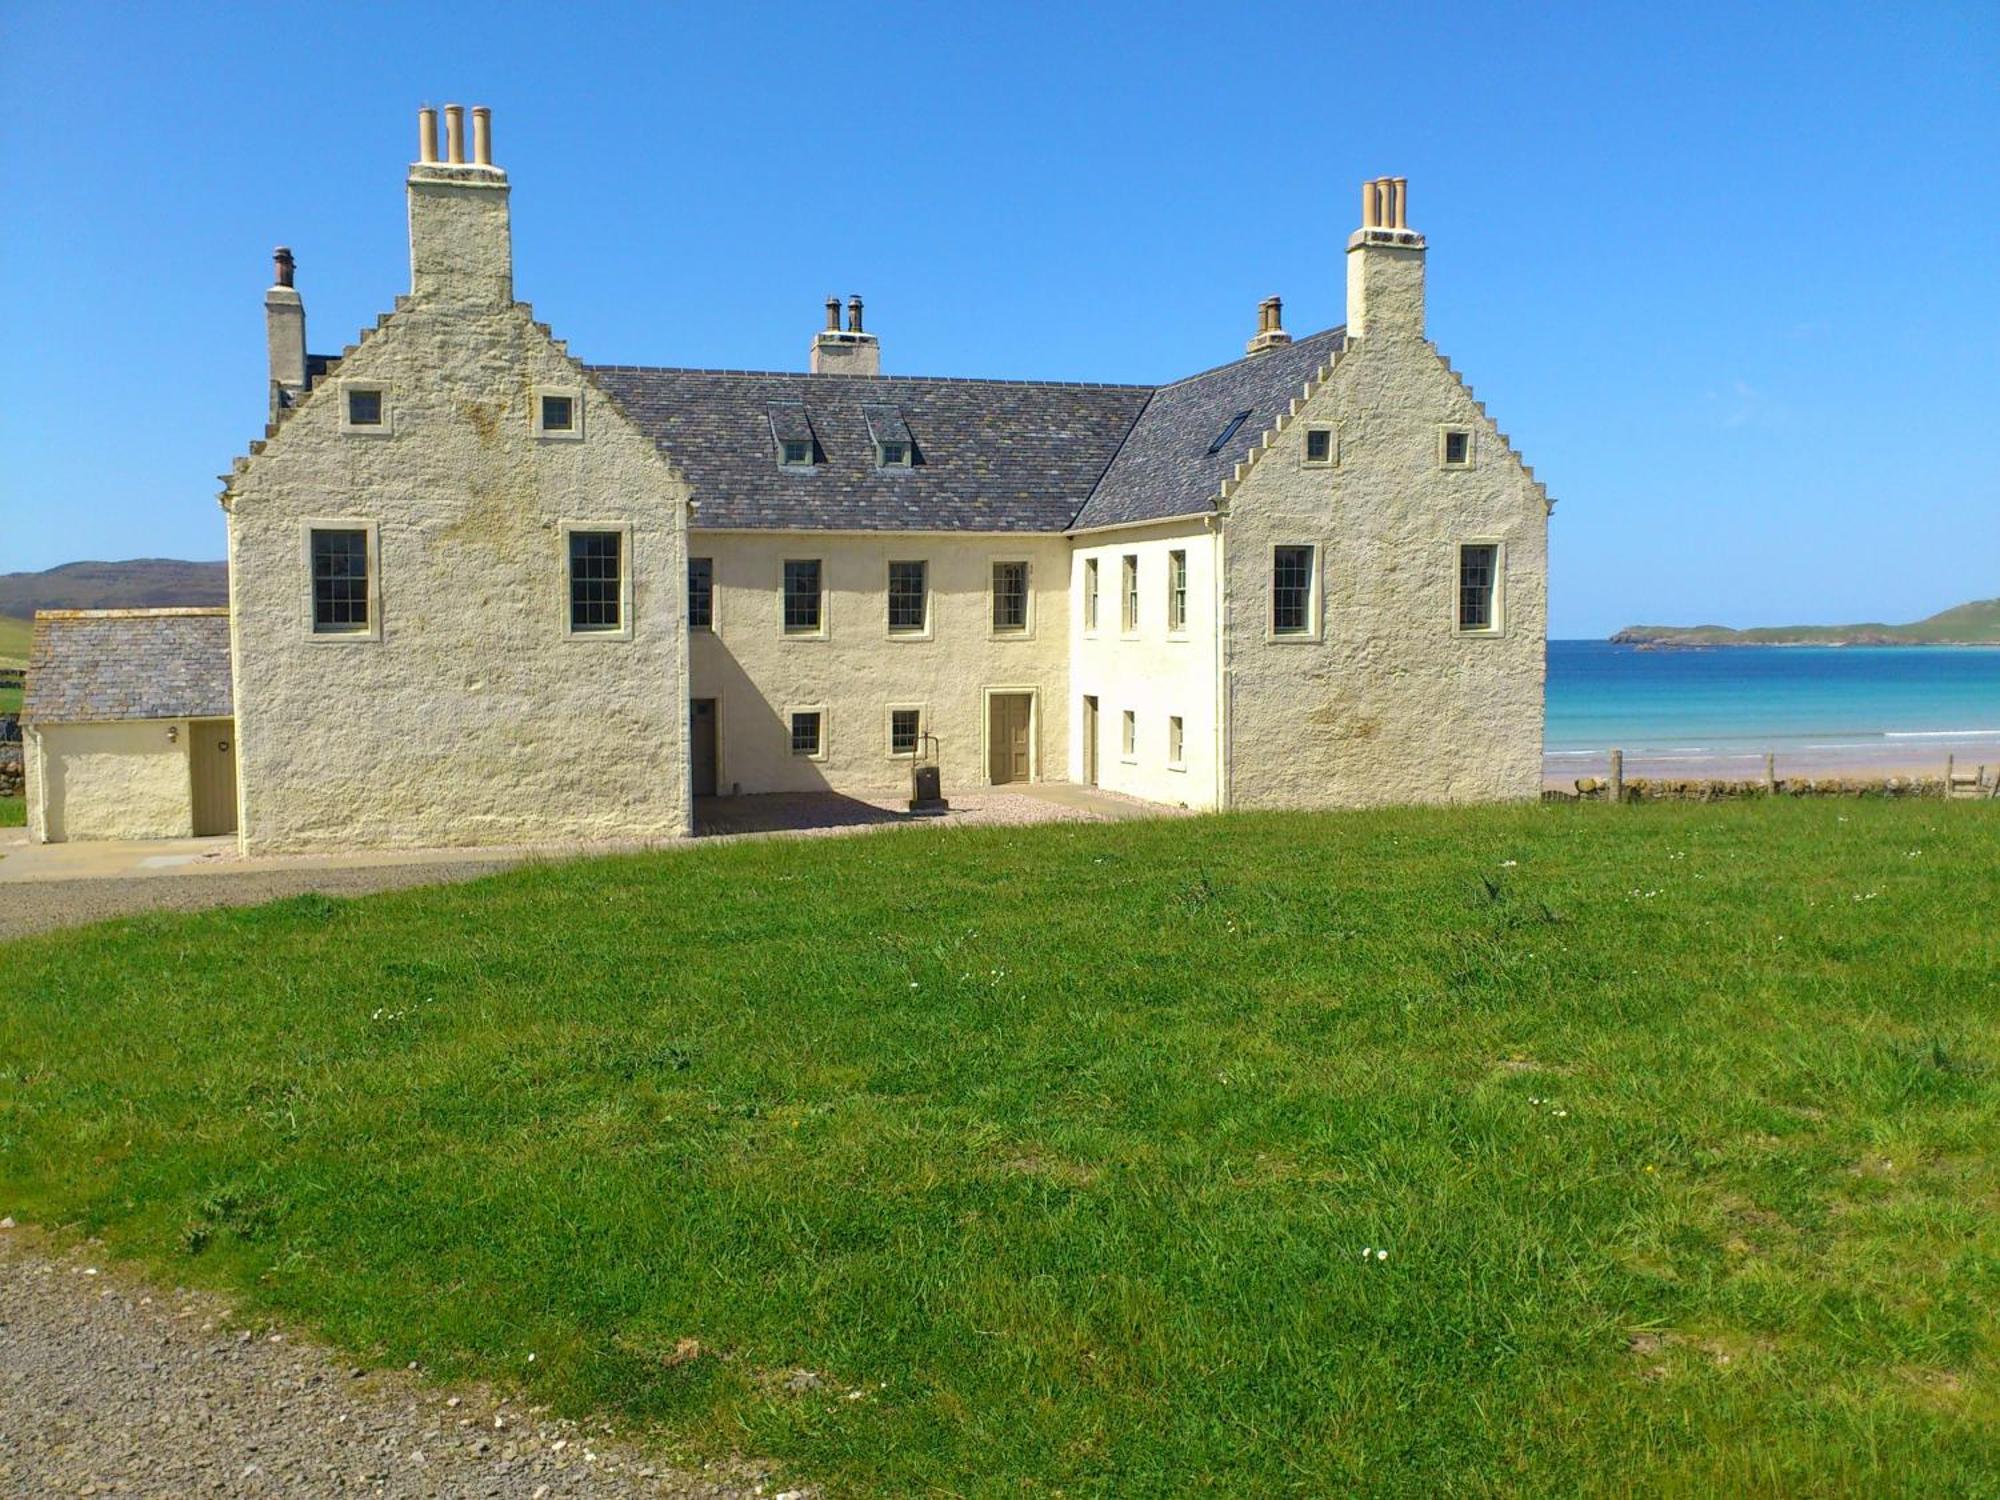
1889	758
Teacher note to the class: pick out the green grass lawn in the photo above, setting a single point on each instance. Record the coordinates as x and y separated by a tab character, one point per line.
1073	1150
13	812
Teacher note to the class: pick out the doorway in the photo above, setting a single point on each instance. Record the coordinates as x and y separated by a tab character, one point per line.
1010	726
212	770
1090	739
701	745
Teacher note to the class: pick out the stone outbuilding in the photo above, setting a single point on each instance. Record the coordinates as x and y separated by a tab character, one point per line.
128	724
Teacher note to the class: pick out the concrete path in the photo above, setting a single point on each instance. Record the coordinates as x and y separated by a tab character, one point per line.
45	886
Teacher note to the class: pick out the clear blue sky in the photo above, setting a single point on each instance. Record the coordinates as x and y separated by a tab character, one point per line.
1727	275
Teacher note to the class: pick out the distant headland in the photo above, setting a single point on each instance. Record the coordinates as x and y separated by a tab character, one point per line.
1974	624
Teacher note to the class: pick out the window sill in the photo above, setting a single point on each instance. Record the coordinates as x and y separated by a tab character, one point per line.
623	633
1180	766
803	635
1128	760
1291	639
909	635
343	637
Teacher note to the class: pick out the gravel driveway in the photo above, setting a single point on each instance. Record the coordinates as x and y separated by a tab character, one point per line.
111	1387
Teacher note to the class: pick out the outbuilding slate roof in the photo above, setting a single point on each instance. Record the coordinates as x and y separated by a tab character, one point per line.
989	455
1165	468
95	665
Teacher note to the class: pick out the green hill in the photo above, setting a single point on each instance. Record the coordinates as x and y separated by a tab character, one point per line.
139	583
1974	624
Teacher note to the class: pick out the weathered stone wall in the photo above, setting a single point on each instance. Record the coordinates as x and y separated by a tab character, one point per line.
855	671
12	769
1153	673
473	716
1390	703
110	781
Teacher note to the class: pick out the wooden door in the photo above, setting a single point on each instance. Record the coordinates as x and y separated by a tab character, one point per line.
212	770
1090	739
1008	736
701	745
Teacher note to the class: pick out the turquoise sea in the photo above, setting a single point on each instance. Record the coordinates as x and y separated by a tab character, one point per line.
1717	711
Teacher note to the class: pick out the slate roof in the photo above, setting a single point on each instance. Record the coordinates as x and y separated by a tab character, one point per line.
991	455
94	665
1165	467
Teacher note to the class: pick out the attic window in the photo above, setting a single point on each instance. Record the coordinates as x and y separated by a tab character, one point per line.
364	407
894	447
1222	439
558	412
792	431
1455	448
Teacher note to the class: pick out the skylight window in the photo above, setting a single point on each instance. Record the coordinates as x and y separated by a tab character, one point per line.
1222	439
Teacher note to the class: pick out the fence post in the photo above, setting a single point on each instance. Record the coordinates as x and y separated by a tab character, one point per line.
1770	774
1617	775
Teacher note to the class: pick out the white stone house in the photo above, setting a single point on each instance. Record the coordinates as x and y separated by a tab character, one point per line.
482	592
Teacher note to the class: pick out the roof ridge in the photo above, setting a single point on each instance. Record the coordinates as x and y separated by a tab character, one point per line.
1062	385
1246	358
156	611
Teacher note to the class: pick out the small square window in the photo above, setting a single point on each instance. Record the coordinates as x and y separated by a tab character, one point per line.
895	455
701	593
806	737
1455	448
796	453
1176	744
558	413
364	407
904	725
1319	445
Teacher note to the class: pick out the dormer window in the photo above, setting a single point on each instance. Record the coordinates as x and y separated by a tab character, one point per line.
791	430
1222	439
894	447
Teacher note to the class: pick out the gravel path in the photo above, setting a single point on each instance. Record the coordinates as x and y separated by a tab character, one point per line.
111	1387
38	906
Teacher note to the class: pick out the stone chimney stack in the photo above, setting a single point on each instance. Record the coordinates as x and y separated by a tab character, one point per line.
285	334
1270	327
461	244
852	352
1385	266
